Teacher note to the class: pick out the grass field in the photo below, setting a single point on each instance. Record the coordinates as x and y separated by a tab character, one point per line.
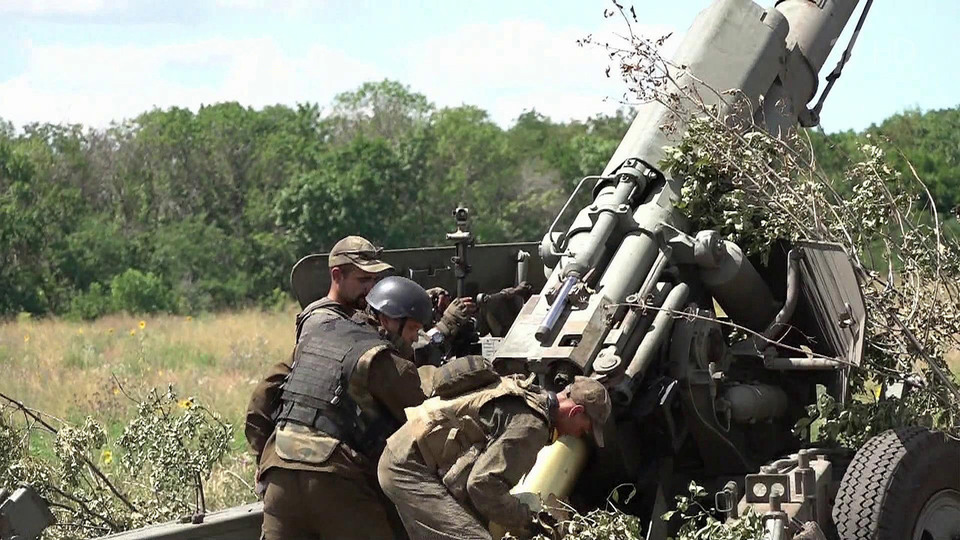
72	369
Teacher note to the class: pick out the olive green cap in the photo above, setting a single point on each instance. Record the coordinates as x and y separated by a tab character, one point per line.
595	400
360	252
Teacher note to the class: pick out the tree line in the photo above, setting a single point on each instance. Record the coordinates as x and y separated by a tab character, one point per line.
187	211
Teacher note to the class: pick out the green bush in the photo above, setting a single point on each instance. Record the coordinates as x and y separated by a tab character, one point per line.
91	304
275	301
136	292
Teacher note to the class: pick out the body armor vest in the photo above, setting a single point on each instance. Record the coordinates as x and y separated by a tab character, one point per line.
323	307
316	392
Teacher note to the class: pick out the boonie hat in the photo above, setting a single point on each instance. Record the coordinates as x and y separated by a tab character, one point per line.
360	252
595	400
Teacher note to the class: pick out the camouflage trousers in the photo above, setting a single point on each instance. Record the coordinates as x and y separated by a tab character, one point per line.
426	507
308	505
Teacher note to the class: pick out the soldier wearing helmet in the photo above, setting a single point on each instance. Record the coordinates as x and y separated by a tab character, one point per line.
317	421
355	266
344	396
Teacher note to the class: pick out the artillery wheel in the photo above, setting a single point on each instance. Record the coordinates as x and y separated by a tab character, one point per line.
904	484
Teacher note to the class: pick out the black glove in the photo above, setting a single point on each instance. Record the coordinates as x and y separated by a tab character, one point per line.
456	314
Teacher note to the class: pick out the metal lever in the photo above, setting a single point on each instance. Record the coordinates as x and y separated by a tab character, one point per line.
546	327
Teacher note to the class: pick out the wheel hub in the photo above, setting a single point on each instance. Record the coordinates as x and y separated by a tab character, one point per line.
940	517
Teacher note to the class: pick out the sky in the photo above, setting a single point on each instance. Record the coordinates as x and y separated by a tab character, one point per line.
97	61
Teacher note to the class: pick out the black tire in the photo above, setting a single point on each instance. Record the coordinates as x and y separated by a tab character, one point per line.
890	480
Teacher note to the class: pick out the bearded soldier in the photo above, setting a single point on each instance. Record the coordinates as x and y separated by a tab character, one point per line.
346	393
355	266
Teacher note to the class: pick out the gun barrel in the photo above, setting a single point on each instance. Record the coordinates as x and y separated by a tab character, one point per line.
737	58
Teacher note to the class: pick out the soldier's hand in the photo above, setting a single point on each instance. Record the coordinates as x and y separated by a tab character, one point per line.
260	487
456	314
435	292
440	298
523	290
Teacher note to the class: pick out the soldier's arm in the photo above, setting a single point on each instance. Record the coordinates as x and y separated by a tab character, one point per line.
263	405
522	434
394	382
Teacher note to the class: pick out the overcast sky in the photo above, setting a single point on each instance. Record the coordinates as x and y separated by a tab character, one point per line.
93	61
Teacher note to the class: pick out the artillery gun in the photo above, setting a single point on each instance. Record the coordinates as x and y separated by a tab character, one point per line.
632	296
632	299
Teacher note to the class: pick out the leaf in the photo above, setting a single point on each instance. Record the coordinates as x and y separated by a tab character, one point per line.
815	427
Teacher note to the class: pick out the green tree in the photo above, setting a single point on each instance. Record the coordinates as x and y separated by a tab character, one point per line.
386	109
931	143
361	188
35	216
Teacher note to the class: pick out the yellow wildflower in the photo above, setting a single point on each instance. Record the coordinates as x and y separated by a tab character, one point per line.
110	330
107	457
133	332
160	373
116	391
26	338
142	324
185	403
79	331
189	318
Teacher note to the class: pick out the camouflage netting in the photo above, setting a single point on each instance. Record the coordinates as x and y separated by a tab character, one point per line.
757	189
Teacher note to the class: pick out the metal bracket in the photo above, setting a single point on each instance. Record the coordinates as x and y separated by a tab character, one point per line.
760	486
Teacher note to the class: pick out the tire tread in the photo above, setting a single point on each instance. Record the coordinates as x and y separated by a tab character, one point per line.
865	490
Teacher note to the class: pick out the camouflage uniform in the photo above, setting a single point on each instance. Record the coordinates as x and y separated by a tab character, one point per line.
317	484
444	492
450	468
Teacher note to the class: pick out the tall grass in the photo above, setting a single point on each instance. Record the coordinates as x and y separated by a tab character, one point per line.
74	369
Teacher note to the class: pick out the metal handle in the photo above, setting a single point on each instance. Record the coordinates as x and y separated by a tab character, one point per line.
546	327
563	210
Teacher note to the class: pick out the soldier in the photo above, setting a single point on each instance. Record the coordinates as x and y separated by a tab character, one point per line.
451	317
345	394
450	468
355	266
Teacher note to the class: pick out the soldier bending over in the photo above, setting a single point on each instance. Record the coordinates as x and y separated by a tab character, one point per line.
450	468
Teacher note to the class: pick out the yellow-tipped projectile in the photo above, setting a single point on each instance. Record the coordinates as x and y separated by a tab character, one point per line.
556	471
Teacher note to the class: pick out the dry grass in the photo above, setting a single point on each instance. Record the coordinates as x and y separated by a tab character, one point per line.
69	370
953	360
